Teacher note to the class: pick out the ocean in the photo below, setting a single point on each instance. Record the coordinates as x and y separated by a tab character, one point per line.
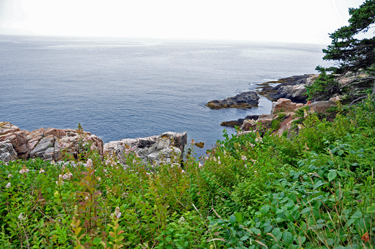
126	88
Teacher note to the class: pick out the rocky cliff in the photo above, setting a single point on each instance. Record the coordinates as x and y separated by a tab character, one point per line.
50	144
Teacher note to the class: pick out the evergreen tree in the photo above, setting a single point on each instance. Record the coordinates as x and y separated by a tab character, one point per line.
351	54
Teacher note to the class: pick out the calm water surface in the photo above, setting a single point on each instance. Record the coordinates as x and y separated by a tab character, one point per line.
127	88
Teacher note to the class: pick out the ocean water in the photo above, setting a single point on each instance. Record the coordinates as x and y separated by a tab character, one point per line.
127	88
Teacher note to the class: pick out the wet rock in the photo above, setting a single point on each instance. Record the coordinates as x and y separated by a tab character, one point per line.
165	148
243	100
7	152
293	88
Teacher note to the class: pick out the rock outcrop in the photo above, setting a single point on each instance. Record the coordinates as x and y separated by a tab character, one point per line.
283	114
243	100
293	88
46	144
167	147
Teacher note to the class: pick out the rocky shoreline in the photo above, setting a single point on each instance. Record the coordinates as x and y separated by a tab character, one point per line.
293	88
50	144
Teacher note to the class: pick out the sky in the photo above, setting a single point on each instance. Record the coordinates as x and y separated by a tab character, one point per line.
297	21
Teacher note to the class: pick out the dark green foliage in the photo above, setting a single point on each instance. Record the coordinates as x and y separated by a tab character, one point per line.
351	54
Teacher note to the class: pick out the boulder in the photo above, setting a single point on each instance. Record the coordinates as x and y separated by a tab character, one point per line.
243	100
165	148
7	152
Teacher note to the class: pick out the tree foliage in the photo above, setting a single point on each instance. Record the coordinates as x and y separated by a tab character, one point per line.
351	53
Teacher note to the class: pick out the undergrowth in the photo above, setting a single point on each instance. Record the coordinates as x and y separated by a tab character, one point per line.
311	189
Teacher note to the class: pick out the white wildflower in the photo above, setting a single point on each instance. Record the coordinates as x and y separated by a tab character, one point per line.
244	158
182	220
8	185
41	171
182	171
99	178
21	217
24	170
259	139
200	165
117	213
10	176
67	176
89	163
60	181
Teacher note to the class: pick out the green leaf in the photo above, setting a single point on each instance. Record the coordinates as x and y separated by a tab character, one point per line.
277	233
232	219
244	238
371	209
264	210
268	228
255	230
301	240
356	215
287	238
305	210
239	217
318	184
332	175
350	221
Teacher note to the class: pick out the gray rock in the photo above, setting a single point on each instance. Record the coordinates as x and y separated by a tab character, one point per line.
7	152
293	88
243	100
239	122
42	146
165	148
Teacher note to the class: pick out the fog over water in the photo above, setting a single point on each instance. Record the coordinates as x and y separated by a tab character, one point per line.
127	88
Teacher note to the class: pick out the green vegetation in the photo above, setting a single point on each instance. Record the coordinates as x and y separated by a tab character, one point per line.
314	189
352	55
